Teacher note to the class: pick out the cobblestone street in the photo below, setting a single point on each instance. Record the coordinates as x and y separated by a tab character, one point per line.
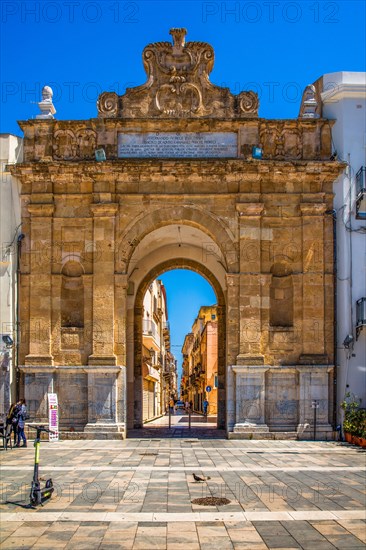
138	493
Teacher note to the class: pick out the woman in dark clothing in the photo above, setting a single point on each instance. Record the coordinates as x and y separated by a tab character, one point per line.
21	423
12	418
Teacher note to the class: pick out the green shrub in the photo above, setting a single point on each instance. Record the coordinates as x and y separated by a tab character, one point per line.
354	417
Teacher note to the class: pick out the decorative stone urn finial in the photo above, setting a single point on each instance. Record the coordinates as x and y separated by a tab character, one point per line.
178	39
310	103
46	106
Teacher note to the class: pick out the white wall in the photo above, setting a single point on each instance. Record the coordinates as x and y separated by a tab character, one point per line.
344	99
10	152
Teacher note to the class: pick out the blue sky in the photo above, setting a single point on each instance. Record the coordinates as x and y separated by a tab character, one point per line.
187	291
82	48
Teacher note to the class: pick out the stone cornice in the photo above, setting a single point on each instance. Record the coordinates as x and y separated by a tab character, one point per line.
259	368
312	209
41	210
104	209
344	90
89	167
75	369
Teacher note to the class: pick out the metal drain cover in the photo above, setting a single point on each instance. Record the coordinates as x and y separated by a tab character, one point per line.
211	501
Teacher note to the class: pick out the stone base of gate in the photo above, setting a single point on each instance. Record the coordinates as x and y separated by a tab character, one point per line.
97	431
263	435
276	402
91	398
324	432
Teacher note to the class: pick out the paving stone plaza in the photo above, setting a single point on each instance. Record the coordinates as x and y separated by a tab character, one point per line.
138	493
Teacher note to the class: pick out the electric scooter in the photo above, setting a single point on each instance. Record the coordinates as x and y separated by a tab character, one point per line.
37	494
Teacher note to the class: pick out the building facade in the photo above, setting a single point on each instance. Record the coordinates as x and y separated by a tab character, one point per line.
342	97
158	364
200	361
169	176
10	242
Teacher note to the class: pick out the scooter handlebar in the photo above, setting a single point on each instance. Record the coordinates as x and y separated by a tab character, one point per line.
41	429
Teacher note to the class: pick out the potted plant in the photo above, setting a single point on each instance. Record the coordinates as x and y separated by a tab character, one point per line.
354	424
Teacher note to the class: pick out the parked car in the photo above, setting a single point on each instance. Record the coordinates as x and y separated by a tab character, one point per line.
179	405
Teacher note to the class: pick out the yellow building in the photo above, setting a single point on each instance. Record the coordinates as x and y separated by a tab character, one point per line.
200	360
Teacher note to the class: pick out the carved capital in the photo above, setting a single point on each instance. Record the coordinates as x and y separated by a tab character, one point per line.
104	210
41	210
102	360
250	360
249	208
312	209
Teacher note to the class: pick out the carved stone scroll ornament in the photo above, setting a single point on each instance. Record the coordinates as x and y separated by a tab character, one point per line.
108	104
248	103
178	86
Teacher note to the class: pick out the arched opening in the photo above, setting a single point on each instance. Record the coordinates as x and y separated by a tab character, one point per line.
204	370
72	295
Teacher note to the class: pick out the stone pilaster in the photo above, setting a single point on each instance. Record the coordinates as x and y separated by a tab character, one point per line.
314	385
250	287
38	383
103	284
40	285
120	342
222	369
313	283
232	344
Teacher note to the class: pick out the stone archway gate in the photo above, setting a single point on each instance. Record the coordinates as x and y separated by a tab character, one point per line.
178	152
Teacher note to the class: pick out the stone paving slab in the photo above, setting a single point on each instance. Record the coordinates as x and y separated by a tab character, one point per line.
137	494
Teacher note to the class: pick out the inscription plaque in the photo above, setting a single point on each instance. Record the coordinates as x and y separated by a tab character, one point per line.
178	145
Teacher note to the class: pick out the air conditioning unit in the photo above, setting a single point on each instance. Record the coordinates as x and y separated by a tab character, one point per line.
360	315
361	194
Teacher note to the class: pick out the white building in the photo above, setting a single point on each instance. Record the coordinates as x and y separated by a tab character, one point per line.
158	364
343	98
10	242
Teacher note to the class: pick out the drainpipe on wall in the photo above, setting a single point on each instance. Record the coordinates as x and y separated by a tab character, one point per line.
335	359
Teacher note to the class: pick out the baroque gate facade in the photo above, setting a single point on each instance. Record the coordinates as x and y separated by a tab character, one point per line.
177	187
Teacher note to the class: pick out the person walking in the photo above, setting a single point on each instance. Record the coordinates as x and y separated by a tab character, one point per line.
205	407
187	406
21	423
12	418
171	405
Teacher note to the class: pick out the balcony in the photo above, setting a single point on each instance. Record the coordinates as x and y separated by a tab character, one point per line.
360	315
150	335
361	194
